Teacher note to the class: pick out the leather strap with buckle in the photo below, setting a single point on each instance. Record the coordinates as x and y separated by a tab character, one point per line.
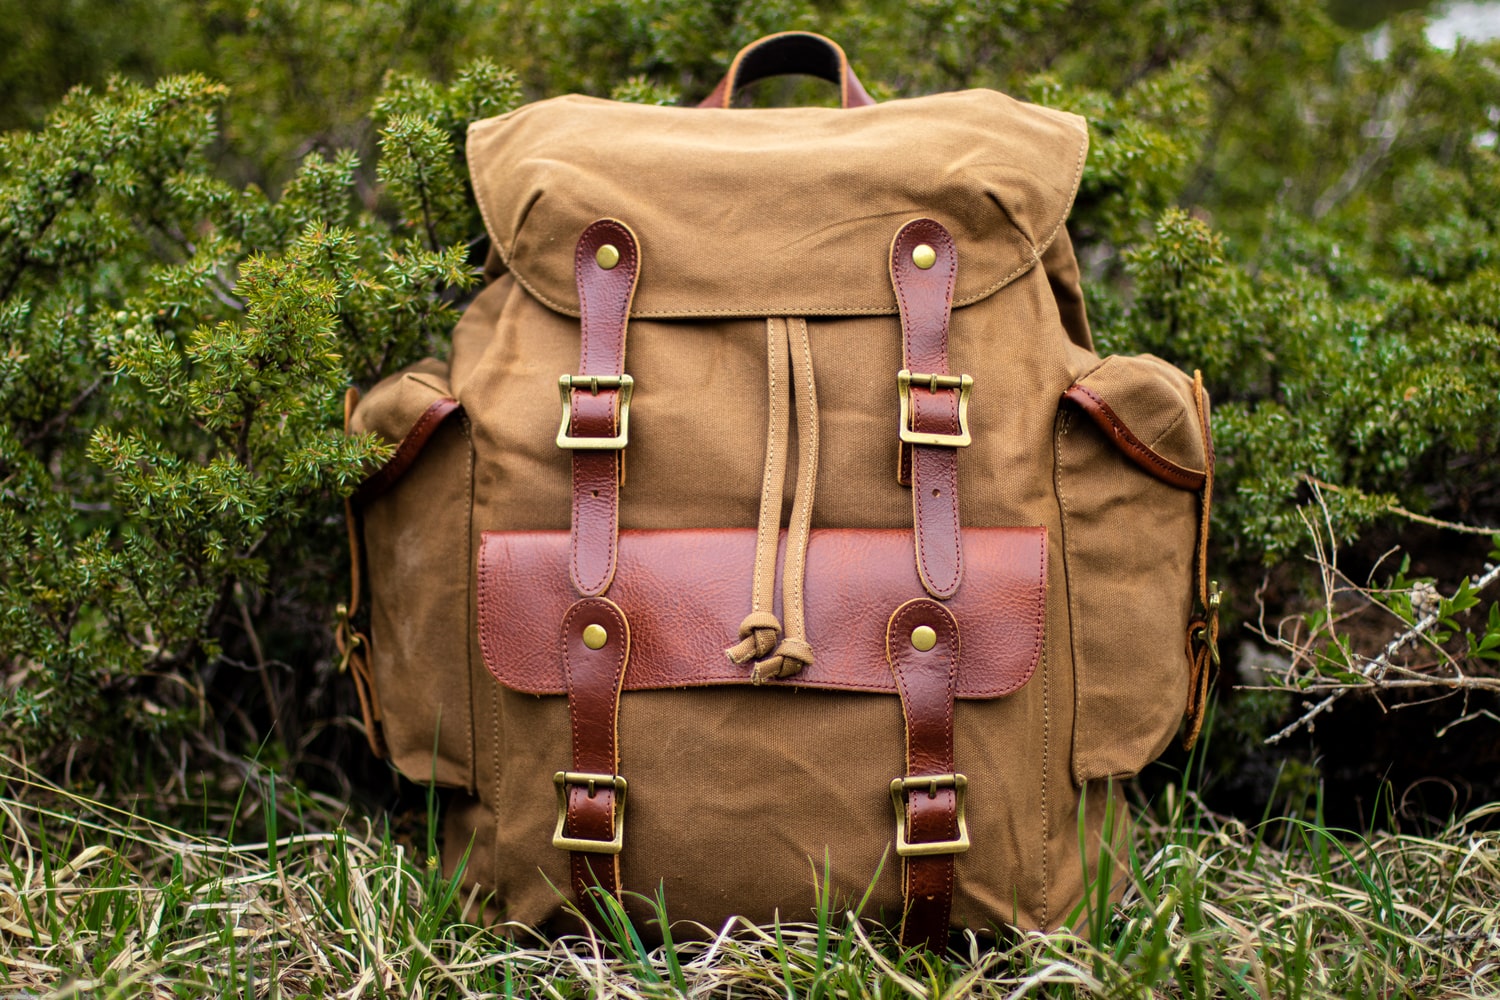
591	794
922	646
934	404
596	402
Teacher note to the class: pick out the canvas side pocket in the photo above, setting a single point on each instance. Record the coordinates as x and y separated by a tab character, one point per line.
1132	459
414	512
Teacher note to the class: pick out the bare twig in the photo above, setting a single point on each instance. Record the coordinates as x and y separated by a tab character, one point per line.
1385	126
1374	671
1400	511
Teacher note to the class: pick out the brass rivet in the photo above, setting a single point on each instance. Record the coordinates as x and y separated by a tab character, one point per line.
924	256
594	636
607	256
923	638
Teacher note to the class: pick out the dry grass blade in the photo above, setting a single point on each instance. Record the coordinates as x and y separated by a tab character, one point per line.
111	904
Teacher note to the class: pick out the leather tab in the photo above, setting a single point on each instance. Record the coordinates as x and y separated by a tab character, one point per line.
927	682
594	678
925	298
604	296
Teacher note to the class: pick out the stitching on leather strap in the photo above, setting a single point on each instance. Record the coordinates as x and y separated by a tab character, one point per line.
595	678
925	298
1203	629
604	296
927	681
1133	447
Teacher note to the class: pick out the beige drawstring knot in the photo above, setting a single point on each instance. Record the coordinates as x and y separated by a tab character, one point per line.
790	659
760	629
758	634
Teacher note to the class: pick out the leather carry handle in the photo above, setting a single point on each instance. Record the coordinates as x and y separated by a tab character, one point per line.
790	52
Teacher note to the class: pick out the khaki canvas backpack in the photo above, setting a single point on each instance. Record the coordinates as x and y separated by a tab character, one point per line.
774	510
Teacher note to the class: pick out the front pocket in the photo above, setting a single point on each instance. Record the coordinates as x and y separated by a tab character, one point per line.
685	592
1132	459
415	512
734	788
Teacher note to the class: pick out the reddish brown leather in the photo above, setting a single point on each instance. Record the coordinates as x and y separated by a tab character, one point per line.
684	590
407	451
1132	447
925	298
785	53
593	681
927	683
604	310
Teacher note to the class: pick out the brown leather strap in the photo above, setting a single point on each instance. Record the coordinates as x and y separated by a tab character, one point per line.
593	790
1203	629
927	681
604	296
925	298
785	53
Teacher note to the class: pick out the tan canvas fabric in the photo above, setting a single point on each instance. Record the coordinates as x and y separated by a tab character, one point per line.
737	793
415	533
738	201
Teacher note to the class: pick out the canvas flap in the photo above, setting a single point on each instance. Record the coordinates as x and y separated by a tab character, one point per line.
1146	407
777	211
404	409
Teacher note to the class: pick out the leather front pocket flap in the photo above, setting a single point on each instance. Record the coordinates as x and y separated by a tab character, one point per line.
685	592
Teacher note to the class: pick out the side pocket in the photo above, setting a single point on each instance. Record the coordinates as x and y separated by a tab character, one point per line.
415	514
1132	461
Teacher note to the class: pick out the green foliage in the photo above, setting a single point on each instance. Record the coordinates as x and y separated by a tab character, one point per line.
175	356
100	897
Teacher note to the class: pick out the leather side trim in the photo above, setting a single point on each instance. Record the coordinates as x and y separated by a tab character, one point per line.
684	590
407	451
1169	472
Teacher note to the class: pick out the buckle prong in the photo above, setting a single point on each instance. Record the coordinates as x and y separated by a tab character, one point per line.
901	787
965	386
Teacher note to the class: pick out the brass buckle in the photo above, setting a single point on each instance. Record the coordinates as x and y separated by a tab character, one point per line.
562	779
963	383
593	383
902	787
1203	632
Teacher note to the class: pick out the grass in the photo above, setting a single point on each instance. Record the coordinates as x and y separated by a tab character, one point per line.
100	901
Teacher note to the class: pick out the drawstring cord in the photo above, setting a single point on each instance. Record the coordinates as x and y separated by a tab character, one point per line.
758	632
794	653
761	628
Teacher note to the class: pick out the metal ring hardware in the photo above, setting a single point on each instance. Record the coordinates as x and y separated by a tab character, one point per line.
963	383
930	783
562	779
593	383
